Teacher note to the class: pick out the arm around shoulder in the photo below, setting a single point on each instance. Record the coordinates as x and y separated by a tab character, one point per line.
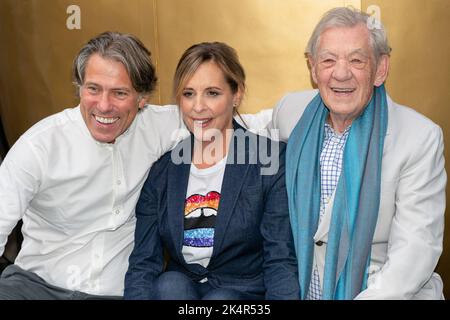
287	112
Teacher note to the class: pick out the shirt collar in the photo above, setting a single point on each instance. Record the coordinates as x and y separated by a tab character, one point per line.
330	133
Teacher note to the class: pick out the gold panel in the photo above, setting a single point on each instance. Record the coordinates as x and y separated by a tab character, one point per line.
270	37
419	75
38	50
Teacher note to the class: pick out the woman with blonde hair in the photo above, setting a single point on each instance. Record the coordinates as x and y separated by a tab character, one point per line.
221	213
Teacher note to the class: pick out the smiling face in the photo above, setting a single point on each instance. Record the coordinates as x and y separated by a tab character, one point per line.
108	101
345	71
206	102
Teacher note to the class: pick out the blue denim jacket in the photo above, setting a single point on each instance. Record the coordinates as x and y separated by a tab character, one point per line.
253	245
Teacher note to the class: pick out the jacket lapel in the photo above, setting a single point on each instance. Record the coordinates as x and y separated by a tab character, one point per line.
233	180
178	178
231	188
388	138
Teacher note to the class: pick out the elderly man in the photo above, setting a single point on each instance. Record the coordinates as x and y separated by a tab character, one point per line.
74	178
365	176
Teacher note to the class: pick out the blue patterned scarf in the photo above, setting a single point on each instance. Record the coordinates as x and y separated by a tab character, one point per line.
356	201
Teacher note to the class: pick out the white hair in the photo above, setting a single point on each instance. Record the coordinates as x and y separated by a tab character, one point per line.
350	17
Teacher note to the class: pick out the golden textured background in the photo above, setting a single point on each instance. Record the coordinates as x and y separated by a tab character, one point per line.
270	36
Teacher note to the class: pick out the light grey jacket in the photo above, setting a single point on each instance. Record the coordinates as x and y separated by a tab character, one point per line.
408	237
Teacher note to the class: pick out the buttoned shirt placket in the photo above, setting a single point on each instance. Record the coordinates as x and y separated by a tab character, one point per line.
117	211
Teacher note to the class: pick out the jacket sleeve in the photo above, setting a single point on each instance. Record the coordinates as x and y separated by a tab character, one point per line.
146	261
416	235
280	262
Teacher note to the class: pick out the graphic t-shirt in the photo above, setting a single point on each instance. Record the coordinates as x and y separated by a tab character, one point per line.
200	212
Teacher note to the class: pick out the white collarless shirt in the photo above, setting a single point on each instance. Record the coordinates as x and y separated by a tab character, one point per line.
77	196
